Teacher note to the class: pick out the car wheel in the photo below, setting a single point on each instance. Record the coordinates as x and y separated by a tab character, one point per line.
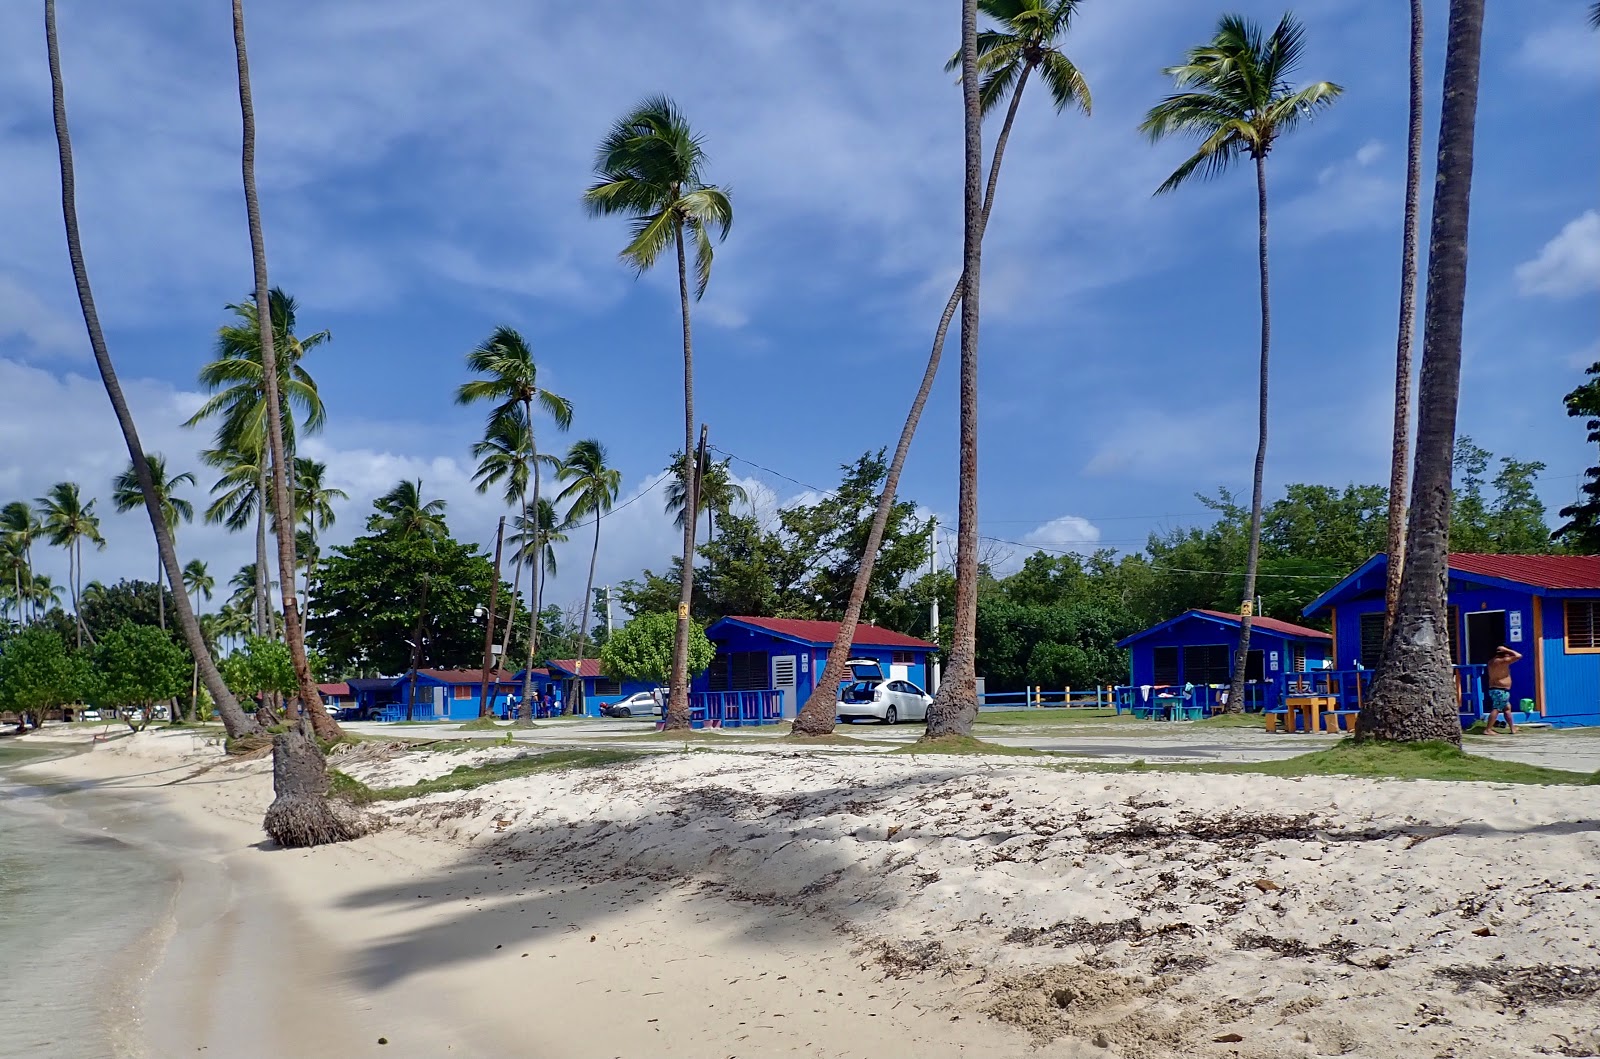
621	711
891	716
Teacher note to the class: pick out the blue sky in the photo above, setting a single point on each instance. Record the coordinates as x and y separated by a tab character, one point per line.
421	166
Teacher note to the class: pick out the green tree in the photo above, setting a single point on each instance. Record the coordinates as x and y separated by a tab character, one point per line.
1027	37
19	528
592	488
135	667
68	522
1236	96
37	675
645	649
125	496
198	583
1517	520
534	537
402	512
718	492
651	168
1413	692
314	511
1581	531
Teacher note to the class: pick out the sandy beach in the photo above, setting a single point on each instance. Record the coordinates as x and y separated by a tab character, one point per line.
820	903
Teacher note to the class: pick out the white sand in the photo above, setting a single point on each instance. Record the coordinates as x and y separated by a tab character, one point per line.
697	904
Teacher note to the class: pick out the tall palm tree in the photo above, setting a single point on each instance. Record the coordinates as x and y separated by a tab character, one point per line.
20	527
717	493
198	582
1235	95
1413	694
1027	38
125	496
44	594
313	499
1400	450
536	537
650	168
592	487
955	704
13	571
402	511
68	522
509	384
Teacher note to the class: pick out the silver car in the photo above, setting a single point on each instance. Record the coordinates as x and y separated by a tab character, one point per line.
870	696
641	703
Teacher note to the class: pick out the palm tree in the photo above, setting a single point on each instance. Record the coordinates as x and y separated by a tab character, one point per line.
1236	96
1028	38
125	496
313	499
13	571
68	522
1594	14
718	493
536	537
20	527
44	594
198	582
1401	446
1413	693
403	512
650	168
510	385
592	488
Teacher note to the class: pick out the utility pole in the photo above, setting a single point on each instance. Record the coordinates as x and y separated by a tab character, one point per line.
608	611
933	616
485	699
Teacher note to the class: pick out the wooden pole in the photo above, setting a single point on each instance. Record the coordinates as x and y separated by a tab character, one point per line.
485	700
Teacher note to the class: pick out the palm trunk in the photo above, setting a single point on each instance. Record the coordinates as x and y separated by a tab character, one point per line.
161	597
677	712
283	512
1413	694
72	585
1408	325
237	722
525	709
818	716
511	608
588	596
1252	559
955	706
263	589
485	697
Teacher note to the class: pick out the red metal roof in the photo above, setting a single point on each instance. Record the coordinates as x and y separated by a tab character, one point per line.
824	632
1540	571
1270	625
467	676
591	666
341	689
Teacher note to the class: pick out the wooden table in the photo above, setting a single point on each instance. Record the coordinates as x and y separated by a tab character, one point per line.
1310	708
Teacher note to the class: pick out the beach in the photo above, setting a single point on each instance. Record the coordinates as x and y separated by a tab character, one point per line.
828	902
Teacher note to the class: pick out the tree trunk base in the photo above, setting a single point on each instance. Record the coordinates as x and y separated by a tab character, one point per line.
1413	697
955	705
302	815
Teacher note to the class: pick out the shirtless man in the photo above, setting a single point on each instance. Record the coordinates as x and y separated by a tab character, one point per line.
1498	678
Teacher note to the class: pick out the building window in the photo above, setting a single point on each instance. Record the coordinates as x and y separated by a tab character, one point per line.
1207	664
1583	624
462	691
1166	665
1371	639
607	686
901	658
739	671
1298	654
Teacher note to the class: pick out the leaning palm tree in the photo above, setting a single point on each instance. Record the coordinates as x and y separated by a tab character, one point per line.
1413	692
20	527
402	512
509	384
651	168
125	496
1027	39
592	487
198	582
68	522
715	489
1400	449
1236	96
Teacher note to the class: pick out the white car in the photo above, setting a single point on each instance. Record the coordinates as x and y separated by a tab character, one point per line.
870	696
643	703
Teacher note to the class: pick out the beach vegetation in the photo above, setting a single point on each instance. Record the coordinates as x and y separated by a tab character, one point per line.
466	777
644	648
37	674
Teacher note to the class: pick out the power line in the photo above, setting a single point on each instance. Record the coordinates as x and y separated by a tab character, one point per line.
639	495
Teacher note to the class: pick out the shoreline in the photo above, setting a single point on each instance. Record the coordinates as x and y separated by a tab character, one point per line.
698	903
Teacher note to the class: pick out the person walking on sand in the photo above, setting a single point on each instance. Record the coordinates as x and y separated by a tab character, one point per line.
1498	678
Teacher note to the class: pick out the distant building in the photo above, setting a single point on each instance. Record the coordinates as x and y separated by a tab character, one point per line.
598	690
1199	647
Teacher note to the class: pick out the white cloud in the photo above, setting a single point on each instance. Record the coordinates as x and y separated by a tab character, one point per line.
1569	264
23	316
1350	195
1564	52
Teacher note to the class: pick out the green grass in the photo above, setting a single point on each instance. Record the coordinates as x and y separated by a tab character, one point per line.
1046	716
466	777
1233	720
966	744
1404	761
831	739
482	724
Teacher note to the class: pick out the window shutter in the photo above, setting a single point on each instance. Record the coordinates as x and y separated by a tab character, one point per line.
1582	631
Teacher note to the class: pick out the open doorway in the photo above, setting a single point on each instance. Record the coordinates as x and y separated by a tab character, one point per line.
1486	630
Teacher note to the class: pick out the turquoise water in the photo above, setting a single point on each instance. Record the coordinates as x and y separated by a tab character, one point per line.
77	905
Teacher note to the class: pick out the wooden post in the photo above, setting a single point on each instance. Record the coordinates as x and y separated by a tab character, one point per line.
485	700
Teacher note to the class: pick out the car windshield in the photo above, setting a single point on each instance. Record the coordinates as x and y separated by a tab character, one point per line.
860	691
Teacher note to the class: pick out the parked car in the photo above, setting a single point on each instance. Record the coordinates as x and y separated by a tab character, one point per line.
643	703
870	696
89	715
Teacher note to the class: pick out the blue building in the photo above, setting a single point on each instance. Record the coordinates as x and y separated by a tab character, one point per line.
451	694
372	695
1199	646
598	690
1545	606
786	655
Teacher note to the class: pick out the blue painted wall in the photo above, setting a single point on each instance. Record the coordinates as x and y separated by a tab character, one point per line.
1571	681
1197	631
810	659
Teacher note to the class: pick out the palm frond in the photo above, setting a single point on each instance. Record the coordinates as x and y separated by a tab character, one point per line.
652	234
1067	85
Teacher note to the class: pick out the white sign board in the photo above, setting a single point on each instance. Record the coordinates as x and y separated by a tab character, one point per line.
1515	618
1274	660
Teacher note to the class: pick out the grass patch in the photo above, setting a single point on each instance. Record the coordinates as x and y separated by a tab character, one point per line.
1233	720
482	724
466	777
1047	716
1402	761
831	739
966	744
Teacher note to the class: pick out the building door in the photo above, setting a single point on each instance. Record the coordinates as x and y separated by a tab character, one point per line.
1486	630
784	670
